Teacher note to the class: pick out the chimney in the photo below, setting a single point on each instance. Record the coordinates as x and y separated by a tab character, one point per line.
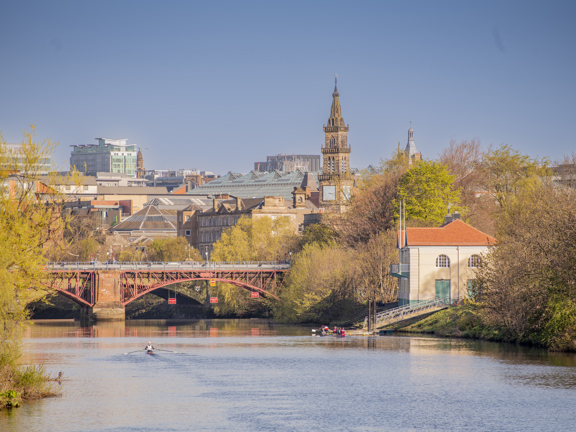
456	216
215	204
189	188
447	219
238	204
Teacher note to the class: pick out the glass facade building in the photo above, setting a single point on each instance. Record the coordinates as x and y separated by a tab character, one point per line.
109	155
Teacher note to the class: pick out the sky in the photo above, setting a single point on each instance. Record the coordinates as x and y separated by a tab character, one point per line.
218	85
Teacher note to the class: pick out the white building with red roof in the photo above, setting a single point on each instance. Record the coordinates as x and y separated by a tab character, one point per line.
438	262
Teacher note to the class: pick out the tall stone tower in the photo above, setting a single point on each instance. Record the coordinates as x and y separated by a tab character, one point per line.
140	171
335	180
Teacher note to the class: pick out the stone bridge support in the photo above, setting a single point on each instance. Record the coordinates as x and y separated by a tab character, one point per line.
108	305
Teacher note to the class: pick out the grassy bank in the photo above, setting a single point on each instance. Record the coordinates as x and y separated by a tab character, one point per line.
24	383
466	321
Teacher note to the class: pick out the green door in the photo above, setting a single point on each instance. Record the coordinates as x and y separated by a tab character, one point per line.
471	288
443	289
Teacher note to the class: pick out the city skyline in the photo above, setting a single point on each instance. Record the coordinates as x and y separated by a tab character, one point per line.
219	86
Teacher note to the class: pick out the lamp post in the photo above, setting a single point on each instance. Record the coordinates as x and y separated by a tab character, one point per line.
290	255
206	253
284	253
188	248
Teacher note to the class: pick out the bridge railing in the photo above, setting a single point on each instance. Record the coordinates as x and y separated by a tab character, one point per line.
186	265
407	310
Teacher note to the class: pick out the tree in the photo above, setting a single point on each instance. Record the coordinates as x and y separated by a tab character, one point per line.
321	279
28	225
171	250
506	171
373	264
464	161
371	209
251	239
429	192
319	233
527	284
256	239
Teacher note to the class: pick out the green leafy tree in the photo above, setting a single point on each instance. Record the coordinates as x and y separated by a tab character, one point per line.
320	234
251	239
256	239
429	192
507	171
321	280
171	249
30	222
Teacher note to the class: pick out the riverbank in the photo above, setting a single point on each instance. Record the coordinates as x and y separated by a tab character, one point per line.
24	383
466	321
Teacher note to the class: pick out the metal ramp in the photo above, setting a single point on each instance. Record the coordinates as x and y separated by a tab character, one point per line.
402	313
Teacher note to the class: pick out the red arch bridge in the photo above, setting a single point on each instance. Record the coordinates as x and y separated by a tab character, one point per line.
103	290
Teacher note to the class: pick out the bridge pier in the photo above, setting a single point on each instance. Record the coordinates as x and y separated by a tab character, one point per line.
108	305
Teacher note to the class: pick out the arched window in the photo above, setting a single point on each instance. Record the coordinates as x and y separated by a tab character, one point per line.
442	261
332	142
474	261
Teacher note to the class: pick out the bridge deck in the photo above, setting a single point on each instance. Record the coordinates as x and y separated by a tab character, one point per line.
195	265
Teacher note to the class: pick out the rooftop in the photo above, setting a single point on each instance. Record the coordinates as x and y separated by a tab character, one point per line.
256	184
455	233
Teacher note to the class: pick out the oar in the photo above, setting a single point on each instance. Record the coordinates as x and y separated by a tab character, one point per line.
131	352
175	352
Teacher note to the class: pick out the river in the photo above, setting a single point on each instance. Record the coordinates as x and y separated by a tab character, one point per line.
255	375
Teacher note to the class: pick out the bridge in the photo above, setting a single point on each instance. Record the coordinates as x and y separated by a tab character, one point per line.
104	289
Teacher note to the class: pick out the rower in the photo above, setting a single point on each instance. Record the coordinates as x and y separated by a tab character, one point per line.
149	347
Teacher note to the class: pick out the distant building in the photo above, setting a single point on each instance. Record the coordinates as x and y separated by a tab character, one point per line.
109	155
118	179
227	210
43	167
289	163
255	184
410	151
150	222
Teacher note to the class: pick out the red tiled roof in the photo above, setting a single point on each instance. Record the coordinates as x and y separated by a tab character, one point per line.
456	233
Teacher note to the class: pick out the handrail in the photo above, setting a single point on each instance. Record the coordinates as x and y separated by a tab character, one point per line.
186	265
402	311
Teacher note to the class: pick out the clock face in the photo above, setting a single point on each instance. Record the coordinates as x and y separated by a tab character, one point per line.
329	193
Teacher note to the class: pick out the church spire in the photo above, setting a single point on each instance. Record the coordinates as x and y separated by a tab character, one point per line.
336	119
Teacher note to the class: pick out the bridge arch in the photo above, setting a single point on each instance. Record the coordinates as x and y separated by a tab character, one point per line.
70	296
240	284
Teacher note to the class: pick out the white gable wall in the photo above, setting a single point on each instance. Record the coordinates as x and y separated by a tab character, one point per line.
421	285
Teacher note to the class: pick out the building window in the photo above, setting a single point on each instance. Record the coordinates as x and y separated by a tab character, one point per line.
187	232
442	261
474	261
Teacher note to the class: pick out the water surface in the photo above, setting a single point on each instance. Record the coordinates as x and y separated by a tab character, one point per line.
254	375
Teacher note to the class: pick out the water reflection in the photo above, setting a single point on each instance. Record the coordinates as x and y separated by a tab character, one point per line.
250	375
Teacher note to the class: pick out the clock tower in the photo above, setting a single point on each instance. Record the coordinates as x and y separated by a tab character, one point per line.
335	180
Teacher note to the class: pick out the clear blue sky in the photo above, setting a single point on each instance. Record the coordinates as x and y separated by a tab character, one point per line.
218	85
